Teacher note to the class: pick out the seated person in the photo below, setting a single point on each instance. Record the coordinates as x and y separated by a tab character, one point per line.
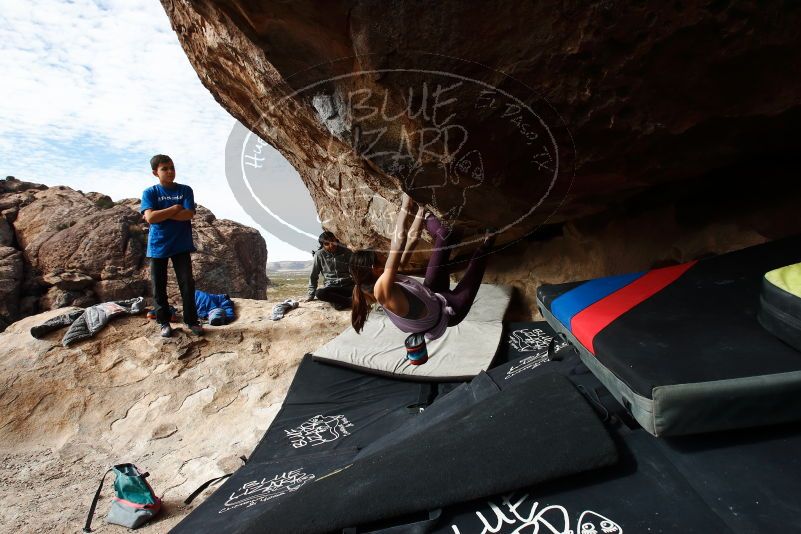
332	260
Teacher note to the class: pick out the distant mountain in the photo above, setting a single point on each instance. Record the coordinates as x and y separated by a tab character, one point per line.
275	266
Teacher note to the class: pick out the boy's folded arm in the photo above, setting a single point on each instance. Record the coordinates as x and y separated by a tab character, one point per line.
183	215
157	216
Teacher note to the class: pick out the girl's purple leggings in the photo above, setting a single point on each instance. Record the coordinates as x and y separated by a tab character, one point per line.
461	297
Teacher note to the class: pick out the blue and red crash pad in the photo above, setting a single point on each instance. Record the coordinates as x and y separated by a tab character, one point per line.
681	346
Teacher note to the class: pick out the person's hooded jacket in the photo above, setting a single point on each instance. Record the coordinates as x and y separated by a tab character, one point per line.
333	267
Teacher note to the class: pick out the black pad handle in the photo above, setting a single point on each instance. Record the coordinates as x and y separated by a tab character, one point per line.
208	483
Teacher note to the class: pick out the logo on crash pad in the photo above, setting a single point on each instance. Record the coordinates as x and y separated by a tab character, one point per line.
455	139
517	515
318	430
265	489
530	340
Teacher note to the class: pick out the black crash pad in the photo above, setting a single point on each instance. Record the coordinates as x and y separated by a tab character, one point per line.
523	435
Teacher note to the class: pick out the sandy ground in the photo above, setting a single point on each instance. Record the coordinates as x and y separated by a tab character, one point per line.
183	409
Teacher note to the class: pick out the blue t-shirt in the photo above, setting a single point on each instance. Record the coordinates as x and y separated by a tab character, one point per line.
170	237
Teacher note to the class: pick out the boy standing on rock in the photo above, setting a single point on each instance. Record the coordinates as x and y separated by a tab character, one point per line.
168	208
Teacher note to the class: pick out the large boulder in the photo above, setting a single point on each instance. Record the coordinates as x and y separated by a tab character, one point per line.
231	258
60	247
522	117
65	231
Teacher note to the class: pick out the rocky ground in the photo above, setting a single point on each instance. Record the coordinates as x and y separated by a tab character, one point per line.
183	408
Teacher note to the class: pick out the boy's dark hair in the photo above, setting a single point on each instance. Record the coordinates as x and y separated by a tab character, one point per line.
326	237
158	159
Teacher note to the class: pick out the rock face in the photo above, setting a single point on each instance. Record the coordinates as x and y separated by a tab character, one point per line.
11	275
517	116
61	247
129	395
230	256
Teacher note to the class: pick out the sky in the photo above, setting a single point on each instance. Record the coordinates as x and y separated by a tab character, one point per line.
92	89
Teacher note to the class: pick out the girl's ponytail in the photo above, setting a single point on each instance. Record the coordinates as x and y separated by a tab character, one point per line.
361	270
360	310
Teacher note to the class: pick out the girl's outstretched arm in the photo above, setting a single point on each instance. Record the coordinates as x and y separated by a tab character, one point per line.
414	234
383	285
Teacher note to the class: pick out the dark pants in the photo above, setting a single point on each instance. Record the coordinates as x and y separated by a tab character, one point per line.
340	297
438	271
182	263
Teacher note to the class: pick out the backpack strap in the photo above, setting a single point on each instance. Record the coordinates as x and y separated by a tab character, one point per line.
88	526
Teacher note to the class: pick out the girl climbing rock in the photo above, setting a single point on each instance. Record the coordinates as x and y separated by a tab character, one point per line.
425	309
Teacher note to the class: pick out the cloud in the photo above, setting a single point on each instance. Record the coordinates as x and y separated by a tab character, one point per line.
92	89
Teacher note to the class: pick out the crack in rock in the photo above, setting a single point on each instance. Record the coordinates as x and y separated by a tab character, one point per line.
191	397
162	431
